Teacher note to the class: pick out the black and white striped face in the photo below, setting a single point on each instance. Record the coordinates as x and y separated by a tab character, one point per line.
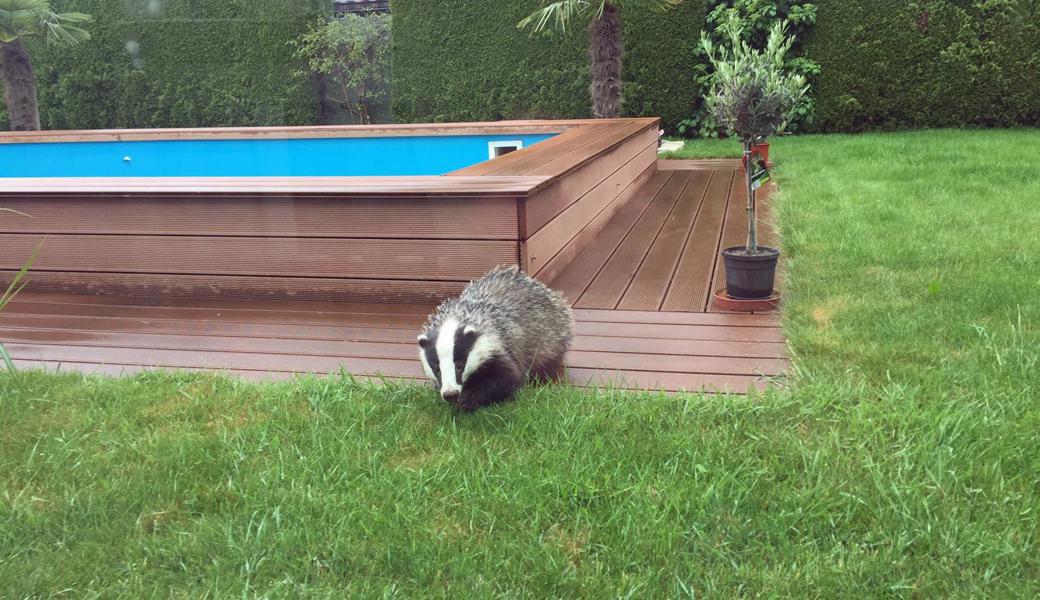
453	355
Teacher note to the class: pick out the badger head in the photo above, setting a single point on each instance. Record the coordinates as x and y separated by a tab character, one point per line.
462	360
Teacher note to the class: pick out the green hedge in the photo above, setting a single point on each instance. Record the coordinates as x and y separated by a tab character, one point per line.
463	60
178	63
888	65
882	64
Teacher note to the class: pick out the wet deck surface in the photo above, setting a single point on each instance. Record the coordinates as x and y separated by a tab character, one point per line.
277	340
661	251
642	297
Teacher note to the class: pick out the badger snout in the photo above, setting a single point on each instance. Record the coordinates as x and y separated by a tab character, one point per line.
451	395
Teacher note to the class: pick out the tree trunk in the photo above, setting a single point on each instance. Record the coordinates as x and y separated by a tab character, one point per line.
752	221
19	87
605	50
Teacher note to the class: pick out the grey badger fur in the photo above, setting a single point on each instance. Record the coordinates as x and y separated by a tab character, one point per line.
479	348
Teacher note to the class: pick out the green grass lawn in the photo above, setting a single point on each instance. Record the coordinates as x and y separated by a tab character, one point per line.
904	458
707	148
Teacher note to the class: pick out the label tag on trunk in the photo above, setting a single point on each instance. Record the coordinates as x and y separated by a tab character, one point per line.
761	175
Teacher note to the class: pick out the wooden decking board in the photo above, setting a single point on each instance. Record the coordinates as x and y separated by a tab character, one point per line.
227	317
683	348
111	370
564	229
638	263
211	343
593	359
577	276
576	141
326	187
276	306
191	359
285	132
613	279
648	287
591	234
690	285
120	335
734	233
677	318
366	238
270	331
681	332
579	156
766	223
390	291
224	315
654	254
282	217
566	139
547	204
391	344
450	260
767	235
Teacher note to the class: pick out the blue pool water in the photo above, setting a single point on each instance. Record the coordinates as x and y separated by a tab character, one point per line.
376	156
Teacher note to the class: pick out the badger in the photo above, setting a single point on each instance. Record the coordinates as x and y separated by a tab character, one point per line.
505	327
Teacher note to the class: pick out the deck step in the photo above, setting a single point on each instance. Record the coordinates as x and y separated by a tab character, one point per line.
270	340
660	252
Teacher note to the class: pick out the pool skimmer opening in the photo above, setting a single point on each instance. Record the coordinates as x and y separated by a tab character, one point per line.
496	149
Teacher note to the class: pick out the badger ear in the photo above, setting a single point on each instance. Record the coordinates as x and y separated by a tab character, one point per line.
470	332
424	341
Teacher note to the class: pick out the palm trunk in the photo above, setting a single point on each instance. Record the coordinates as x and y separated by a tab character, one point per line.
19	86
605	50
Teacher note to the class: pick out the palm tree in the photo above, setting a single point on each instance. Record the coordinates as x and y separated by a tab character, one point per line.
20	19
605	41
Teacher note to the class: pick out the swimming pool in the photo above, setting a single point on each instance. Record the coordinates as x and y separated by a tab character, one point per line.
385	213
298	157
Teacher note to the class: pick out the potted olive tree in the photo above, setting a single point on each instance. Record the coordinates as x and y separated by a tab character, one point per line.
753	98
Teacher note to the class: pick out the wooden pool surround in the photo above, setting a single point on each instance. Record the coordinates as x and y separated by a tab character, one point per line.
355	239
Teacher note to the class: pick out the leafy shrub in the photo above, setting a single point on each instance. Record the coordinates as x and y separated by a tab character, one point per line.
352	58
179	63
752	94
755	19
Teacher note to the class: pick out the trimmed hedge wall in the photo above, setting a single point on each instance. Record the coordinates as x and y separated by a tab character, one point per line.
884	64
178	63
465	60
888	65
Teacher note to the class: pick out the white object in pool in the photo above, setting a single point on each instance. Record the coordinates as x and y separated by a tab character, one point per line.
496	149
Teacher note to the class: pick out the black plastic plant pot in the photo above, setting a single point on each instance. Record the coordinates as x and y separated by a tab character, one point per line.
750	275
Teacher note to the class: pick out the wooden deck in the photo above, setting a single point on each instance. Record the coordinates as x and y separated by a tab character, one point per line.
640	281
280	339
660	252
352	239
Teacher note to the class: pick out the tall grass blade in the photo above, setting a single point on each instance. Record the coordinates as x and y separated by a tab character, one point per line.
7	360
17	284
